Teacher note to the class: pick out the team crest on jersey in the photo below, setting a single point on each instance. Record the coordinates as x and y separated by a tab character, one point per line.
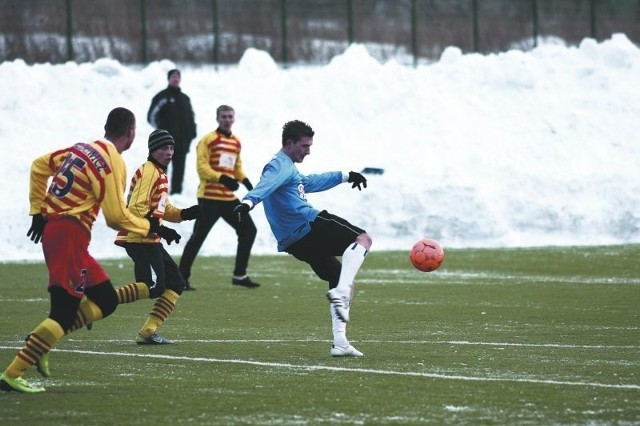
301	193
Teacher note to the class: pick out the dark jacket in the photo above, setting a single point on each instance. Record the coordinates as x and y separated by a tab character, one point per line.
171	110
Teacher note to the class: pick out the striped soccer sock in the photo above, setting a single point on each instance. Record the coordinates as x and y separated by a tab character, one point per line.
39	342
132	292
165	304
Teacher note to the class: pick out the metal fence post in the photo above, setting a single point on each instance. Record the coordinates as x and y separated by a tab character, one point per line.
350	21
283	22
476	36
143	25
414	31
70	54
216	32
594	32
536	24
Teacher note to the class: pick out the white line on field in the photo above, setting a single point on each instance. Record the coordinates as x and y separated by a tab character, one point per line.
526	345
395	342
351	370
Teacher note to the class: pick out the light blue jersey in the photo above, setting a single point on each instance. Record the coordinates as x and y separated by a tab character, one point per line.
282	189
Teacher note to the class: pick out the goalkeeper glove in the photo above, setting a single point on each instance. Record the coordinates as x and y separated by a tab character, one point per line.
169	235
247	184
241	210
230	183
38	223
357	179
190	213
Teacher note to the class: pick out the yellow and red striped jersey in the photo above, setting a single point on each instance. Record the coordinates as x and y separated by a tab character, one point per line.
86	178
218	154
148	192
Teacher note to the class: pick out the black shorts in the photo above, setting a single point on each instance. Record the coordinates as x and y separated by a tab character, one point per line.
329	237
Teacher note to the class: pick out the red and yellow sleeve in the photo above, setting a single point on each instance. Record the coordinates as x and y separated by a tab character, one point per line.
42	168
172	213
140	196
113	205
205	171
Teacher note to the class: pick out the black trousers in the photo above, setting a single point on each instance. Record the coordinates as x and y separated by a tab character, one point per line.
212	210
177	170
153	266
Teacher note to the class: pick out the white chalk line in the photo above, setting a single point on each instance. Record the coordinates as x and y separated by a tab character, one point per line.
350	370
395	342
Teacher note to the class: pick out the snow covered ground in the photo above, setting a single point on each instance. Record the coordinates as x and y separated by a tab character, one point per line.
502	150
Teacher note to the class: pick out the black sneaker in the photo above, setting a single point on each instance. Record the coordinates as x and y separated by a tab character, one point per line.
244	282
188	287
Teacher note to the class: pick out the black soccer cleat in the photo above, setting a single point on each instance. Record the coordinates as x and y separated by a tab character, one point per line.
244	282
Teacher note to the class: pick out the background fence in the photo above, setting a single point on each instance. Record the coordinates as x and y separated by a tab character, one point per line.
296	31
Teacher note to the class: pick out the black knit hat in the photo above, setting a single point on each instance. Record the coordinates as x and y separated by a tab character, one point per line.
160	138
171	72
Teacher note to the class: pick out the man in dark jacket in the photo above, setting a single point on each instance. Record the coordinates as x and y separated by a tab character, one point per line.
171	110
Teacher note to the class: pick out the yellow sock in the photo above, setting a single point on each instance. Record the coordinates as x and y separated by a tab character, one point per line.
132	292
165	304
88	312
38	343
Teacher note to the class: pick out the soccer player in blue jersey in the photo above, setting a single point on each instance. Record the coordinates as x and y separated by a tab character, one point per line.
310	235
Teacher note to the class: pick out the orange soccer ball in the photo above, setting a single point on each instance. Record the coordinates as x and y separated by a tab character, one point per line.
426	255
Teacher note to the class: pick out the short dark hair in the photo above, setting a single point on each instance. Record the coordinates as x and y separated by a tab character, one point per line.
296	130
223	108
118	122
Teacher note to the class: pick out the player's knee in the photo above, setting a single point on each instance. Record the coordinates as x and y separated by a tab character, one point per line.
104	296
247	233
63	308
108	305
364	240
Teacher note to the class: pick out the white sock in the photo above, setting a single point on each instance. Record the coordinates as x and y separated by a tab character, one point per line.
339	329
352	259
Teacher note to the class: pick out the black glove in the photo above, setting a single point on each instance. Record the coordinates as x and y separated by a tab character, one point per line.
357	179
169	235
230	183
241	210
247	184
154	223
190	213
38	223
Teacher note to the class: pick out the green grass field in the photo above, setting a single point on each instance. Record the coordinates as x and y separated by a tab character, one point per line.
513	336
